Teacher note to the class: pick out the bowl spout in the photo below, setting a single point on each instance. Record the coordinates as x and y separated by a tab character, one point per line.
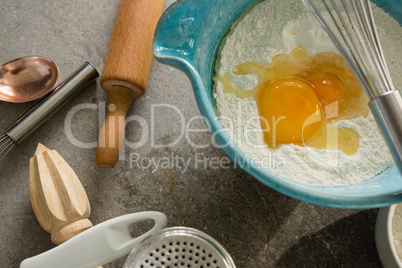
189	32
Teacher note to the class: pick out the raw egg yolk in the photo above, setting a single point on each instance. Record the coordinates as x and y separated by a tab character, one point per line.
327	89
301	96
290	111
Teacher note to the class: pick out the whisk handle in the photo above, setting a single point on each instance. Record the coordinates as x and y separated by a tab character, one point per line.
63	93
388	112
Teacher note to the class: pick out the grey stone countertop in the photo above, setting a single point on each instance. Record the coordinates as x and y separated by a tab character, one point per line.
257	225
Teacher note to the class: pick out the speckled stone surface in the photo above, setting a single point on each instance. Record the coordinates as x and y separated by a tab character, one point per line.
258	226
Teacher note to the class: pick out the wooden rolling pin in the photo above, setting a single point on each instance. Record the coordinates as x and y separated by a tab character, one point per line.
126	70
58	198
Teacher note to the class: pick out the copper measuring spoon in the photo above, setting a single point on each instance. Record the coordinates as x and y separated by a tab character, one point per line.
27	78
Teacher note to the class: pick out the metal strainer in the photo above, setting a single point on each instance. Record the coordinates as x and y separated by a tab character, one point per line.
179	247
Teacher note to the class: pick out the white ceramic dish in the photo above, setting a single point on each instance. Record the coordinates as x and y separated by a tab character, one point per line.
384	238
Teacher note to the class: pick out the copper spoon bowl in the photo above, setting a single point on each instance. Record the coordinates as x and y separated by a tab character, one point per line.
26	79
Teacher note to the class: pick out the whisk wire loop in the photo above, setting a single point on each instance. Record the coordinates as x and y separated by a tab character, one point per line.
6	144
377	45
350	25
372	46
331	26
354	46
361	47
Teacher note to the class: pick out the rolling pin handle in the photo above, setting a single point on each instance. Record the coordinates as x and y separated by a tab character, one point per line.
111	136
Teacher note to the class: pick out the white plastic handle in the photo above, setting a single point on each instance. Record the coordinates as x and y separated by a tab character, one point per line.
98	245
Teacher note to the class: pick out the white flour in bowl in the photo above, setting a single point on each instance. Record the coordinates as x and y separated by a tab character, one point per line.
276	27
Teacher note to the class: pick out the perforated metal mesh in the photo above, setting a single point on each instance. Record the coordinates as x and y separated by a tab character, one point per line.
179	247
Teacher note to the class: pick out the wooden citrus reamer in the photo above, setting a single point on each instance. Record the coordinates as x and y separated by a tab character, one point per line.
126	71
58	198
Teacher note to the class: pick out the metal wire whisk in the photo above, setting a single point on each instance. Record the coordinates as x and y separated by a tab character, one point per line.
6	144
350	25
35	117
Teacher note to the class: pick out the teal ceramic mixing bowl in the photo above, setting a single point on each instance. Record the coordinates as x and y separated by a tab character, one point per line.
188	36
